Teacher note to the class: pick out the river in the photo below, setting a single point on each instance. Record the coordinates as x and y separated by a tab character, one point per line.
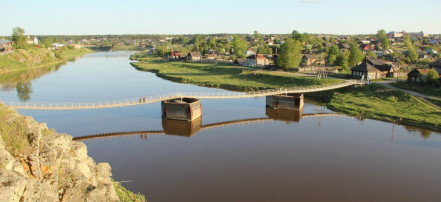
242	152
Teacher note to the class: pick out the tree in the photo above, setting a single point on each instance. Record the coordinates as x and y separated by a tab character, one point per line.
18	37
290	54
371	54
264	49
24	91
256	35
239	45
298	36
333	52
355	56
412	54
342	59
432	76
382	36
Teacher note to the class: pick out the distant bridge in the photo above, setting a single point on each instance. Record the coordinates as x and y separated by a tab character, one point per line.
203	127
230	95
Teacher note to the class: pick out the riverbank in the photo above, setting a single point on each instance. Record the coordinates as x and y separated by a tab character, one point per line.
39	164
223	76
378	102
370	101
34	58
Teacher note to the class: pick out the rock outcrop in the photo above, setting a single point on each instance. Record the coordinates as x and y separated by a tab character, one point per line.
42	165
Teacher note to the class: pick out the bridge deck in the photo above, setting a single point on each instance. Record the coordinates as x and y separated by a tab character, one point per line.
232	95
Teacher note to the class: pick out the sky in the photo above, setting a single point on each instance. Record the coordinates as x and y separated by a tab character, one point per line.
86	17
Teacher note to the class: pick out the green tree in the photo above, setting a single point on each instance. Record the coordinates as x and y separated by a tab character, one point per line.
382	36
24	91
256	35
355	56
298	36
371	54
239	45
333	52
18	37
342	59
412	55
264	49
432	76
290	54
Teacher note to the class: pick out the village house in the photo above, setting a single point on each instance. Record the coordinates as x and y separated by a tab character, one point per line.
5	45
210	56
375	68
76	46
240	61
258	60
174	55
309	60
194	56
57	45
417	75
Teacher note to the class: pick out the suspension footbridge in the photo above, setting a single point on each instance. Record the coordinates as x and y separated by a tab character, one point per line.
153	99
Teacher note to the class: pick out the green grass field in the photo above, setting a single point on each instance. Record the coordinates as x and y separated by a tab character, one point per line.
224	76
378	102
428	90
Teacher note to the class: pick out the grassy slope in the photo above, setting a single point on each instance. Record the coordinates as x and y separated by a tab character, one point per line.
428	90
223	76
23	59
377	102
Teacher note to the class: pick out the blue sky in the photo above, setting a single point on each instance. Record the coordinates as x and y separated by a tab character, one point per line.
77	17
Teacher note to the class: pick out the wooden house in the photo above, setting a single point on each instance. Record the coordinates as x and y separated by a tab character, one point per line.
308	60
194	56
417	75
365	69
210	56
258	60
240	61
5	45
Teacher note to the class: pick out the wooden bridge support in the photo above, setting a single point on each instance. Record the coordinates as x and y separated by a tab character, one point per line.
285	101
184	109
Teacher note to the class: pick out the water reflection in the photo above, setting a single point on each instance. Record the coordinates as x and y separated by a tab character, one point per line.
190	128
21	80
24	91
182	128
284	114
424	133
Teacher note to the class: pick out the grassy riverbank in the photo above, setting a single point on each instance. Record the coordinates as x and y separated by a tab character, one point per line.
223	76
381	103
33	58
428	90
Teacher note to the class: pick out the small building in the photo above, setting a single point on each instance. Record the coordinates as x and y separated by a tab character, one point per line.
210	57
194	56
417	75
240	61
76	46
5	45
258	60
365	69
57	45
309	60
249	52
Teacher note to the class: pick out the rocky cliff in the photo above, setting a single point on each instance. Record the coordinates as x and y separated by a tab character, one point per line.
38	164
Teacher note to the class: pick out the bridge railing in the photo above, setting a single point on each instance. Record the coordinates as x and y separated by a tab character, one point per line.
200	95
